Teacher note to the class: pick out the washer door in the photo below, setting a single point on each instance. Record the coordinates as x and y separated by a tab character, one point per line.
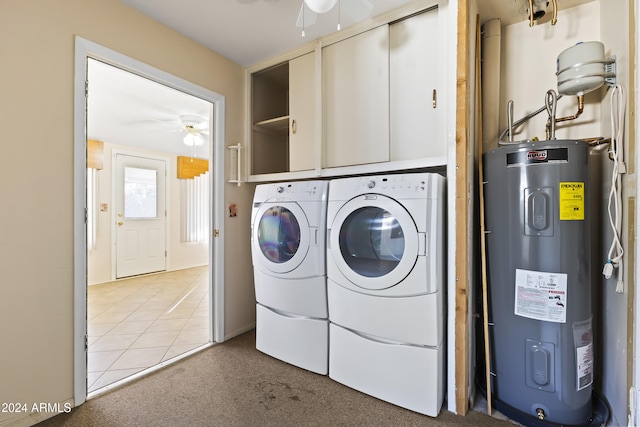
280	236
374	241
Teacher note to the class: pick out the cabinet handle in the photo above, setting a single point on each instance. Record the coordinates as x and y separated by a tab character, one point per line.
435	99
294	126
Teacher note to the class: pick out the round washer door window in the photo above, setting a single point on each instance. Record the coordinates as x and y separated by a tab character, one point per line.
280	237
377	241
278	234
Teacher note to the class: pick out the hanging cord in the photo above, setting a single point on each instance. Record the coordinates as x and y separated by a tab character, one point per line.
302	9
616	149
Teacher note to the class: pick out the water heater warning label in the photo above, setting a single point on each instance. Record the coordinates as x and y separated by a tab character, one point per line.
583	341
571	201
541	295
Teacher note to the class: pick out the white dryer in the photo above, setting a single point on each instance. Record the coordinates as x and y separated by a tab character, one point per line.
288	226
385	284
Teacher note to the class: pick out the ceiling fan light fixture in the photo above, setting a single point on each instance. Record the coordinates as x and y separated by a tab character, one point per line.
193	135
192	138
321	6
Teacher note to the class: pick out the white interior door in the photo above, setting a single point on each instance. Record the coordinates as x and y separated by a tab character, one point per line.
140	215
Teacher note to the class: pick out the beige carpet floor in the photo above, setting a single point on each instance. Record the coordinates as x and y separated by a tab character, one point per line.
233	384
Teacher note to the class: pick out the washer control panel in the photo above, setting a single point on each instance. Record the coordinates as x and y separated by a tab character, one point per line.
298	191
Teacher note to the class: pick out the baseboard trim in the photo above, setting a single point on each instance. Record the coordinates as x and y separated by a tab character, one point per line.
240	331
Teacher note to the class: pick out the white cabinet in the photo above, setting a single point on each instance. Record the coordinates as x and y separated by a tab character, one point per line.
380	94
413	88
283	117
356	99
302	113
369	99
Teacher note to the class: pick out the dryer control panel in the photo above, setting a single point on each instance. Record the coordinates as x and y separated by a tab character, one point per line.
396	186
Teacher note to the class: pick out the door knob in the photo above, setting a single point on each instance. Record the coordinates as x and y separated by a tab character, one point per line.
120	222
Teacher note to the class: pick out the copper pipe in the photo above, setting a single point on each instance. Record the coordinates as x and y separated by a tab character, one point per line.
550	103
577	114
555	12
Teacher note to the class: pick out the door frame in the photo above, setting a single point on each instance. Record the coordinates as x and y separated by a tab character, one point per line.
85	49
114	218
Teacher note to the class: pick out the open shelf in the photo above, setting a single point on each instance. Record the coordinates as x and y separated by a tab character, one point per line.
277	125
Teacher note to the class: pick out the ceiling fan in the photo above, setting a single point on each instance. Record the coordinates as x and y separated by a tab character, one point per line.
355	9
193	128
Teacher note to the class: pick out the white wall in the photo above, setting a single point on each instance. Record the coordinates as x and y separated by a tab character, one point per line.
528	70
180	255
36	179
616	309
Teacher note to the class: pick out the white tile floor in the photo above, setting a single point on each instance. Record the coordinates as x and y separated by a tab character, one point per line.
134	324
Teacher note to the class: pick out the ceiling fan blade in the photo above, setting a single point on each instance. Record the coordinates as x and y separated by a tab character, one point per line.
306	17
358	10
166	130
155	125
155	122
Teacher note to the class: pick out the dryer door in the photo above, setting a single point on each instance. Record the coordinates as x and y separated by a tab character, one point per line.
280	240
374	241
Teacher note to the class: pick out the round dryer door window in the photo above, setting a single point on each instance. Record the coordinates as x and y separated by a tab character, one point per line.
282	236
377	241
371	241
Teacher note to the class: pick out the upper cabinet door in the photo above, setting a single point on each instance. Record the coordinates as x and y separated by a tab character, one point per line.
413	84
356	99
302	113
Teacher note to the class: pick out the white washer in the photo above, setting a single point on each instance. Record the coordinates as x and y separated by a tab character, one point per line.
288	226
385	284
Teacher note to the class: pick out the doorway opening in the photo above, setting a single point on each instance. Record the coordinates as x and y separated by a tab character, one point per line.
147	292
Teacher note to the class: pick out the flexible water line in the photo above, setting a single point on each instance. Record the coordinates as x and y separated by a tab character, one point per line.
517	123
510	119
550	102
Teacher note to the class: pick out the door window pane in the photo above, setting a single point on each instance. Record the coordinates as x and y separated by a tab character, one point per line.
279	234
140	193
371	241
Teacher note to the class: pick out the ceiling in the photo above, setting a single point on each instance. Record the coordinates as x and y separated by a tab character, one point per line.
130	110
126	109
250	31
247	31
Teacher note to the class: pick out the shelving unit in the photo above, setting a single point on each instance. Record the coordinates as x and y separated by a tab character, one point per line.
270	119
278	125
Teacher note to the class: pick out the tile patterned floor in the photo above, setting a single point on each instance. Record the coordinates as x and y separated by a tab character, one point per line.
134	324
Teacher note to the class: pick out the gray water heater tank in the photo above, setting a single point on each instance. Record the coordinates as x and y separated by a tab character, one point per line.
538	278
